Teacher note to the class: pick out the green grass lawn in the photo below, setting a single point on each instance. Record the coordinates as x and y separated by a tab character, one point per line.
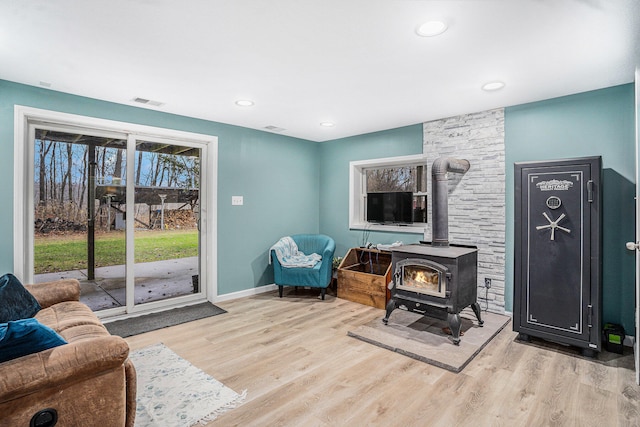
65	253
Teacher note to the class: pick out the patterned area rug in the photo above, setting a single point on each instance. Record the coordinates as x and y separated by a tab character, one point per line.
174	393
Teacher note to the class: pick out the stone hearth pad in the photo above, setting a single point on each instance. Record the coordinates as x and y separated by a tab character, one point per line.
422	337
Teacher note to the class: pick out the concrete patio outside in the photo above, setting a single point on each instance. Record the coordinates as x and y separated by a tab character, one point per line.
155	281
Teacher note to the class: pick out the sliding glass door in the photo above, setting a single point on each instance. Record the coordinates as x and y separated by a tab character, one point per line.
166	234
78	232
121	212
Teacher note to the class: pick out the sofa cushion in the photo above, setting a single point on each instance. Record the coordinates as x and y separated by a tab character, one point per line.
68	314
55	291
21	337
15	301
83	332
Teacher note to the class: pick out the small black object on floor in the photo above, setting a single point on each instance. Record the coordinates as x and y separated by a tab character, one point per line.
151	322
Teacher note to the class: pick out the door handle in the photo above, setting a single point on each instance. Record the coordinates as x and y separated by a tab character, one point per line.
632	246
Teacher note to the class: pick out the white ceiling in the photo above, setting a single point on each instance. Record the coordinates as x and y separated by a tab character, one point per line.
357	63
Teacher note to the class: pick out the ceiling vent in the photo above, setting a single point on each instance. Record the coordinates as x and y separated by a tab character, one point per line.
274	128
148	102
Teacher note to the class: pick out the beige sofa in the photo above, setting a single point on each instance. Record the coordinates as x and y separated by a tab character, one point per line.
88	382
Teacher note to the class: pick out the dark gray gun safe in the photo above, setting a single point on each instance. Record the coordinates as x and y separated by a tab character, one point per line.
557	277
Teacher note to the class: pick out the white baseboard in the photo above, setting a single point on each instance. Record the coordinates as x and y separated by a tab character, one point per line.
245	293
628	340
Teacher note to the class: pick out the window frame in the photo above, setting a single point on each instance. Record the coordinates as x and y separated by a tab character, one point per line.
26	119
357	193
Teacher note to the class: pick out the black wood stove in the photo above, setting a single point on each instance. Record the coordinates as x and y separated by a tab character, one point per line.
437	279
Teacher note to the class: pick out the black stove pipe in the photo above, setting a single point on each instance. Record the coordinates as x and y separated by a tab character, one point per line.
439	199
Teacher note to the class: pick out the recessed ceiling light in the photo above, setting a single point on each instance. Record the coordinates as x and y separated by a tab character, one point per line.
491	86
244	103
327	124
431	28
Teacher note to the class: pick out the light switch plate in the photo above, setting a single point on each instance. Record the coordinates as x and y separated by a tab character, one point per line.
237	200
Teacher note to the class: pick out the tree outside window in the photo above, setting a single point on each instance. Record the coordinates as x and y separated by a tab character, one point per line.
401	179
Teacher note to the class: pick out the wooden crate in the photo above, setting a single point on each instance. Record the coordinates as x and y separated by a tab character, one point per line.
363	276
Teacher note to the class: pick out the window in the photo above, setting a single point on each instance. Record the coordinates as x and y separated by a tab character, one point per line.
398	181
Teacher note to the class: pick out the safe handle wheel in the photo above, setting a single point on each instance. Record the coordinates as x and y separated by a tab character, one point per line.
553	225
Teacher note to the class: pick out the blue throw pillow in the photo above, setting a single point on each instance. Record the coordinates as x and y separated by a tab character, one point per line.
15	300
26	336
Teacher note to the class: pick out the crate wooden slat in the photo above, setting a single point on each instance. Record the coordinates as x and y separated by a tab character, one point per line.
363	276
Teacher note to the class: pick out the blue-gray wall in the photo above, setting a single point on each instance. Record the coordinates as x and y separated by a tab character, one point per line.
277	175
334	181
593	123
292	185
596	123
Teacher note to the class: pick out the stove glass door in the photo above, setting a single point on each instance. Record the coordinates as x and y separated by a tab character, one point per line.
424	277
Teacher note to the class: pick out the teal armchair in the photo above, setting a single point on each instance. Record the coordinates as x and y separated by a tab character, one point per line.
318	276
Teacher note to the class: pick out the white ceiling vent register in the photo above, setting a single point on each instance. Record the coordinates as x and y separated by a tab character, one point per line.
148	102
274	128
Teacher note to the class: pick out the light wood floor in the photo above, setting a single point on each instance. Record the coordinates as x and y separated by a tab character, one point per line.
299	367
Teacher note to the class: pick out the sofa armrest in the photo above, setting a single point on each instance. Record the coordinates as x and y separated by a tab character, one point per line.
132	390
50	293
68	363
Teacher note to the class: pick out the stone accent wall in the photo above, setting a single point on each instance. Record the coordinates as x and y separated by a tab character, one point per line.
476	199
